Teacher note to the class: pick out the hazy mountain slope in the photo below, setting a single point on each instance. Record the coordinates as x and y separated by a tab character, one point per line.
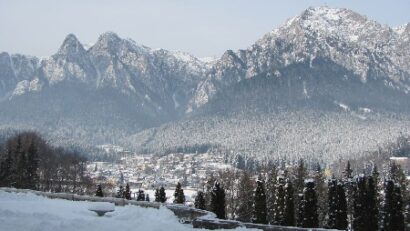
327	71
99	95
328	83
279	134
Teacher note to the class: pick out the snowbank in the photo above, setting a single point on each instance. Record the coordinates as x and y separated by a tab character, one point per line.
30	212
26	211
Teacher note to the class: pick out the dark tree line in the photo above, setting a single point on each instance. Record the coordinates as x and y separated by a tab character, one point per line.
27	161
375	204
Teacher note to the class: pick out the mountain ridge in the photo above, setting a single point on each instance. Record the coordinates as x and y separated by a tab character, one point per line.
331	60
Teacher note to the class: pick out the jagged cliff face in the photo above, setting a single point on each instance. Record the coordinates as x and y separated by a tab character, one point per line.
17	72
114	88
366	50
321	59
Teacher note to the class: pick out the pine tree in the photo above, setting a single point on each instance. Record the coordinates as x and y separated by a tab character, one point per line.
270	193
99	192
179	197
208	191
308	206
200	201
321	190
279	206
300	176
372	204
289	210
147	197
162	195
392	214
260	203
141	195
375	176
300	211
360	213
398	220
127	193
341	217
337	206
396	173
245	198
332	204
377	188
350	188
348	171
120	192
218	201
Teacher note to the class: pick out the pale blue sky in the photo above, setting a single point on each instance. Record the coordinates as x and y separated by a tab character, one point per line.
200	27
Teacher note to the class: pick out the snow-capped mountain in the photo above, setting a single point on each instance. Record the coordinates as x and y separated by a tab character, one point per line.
115	87
17	72
366	50
326	60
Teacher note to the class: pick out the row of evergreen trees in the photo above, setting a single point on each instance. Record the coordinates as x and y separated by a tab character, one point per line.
160	194
356	201
361	202
362	192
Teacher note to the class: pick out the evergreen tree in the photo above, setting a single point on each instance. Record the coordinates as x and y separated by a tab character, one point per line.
162	195
245	198
157	199
332	203
99	192
377	188
300	211
218	201
392	215
308	206
179	197
127	193
289	210
372	204
300	176
141	195
341	214
360	213
321	190
200	201
398	220
208	191
147	197
279	206
397	174
270	193
348	171
120	192
350	188
375	176
260	203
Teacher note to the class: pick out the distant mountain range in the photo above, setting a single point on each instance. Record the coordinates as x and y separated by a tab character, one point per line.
326	67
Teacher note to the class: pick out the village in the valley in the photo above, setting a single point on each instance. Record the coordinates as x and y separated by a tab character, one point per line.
147	172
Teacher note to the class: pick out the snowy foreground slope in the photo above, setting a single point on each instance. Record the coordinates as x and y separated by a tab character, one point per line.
26	211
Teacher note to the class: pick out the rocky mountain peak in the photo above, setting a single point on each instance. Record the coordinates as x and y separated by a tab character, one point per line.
71	46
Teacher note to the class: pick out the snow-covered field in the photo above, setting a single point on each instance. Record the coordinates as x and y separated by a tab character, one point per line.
26	211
